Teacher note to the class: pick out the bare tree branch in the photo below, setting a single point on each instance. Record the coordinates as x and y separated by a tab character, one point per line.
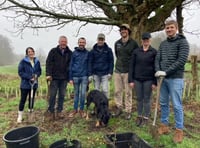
51	13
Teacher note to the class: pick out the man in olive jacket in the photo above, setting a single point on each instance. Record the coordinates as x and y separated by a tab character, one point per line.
57	71
123	51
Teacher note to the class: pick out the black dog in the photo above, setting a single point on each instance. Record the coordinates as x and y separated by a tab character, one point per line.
101	107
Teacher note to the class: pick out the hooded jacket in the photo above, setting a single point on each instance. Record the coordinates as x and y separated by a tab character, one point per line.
26	72
101	60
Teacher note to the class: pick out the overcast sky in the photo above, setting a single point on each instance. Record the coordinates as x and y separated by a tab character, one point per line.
47	39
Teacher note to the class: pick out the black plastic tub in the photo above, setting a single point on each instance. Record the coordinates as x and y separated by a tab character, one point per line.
23	137
125	140
64	143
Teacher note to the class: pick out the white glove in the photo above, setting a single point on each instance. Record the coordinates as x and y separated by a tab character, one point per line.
90	78
109	76
160	74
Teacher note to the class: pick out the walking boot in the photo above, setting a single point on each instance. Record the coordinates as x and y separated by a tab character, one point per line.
73	113
178	136
127	116
19	118
145	121
118	112
49	116
82	113
163	129
138	121
60	115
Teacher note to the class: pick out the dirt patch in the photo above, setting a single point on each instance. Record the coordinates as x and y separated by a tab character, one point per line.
56	126
8	77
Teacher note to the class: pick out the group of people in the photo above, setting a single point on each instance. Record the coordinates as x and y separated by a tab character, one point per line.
136	67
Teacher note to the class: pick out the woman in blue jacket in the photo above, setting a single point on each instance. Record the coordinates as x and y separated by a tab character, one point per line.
29	70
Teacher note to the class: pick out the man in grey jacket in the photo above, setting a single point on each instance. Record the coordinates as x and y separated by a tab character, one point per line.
169	63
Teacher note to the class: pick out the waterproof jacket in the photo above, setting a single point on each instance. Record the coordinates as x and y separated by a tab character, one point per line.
26	72
142	65
101	60
79	63
123	52
172	56
57	63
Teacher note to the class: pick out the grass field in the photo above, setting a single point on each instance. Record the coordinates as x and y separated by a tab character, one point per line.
80	129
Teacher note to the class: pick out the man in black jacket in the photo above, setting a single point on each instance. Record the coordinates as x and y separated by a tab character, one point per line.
57	71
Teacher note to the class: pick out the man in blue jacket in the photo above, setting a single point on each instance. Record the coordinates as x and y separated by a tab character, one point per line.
79	72
101	60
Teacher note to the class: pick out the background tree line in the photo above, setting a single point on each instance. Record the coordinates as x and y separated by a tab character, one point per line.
8	56
8	52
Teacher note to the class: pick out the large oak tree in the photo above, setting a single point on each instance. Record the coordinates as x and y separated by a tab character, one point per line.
141	15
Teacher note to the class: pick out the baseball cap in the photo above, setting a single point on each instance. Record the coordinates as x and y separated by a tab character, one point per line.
101	36
125	26
146	35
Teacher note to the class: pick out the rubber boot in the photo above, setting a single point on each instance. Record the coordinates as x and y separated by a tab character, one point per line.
19	118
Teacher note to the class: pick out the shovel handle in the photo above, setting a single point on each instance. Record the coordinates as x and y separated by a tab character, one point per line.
48	89
31	99
160	80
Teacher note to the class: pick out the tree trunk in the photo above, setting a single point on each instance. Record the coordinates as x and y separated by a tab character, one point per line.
194	76
179	18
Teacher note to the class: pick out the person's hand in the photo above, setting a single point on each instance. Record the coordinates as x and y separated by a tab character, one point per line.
153	86
160	74
90	78
109	76
131	85
71	82
34	78
48	78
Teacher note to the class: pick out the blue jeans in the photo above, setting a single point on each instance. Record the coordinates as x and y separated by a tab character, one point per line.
143	92
60	87
101	80
172	88
80	86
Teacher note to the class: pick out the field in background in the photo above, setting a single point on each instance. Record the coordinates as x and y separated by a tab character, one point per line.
78	128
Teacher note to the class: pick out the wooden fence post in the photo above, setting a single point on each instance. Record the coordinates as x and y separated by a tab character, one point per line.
194	64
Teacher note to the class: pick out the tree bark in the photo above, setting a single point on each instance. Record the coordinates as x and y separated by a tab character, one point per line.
179	18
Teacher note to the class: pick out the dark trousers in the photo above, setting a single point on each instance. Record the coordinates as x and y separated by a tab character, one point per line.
143	92
57	86
24	94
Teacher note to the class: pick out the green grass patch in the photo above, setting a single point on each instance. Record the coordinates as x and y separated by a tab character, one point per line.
81	129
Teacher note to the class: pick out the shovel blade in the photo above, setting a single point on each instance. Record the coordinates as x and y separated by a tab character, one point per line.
31	117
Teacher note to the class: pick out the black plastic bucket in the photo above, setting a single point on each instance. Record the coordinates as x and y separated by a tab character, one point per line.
125	140
66	144
23	137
